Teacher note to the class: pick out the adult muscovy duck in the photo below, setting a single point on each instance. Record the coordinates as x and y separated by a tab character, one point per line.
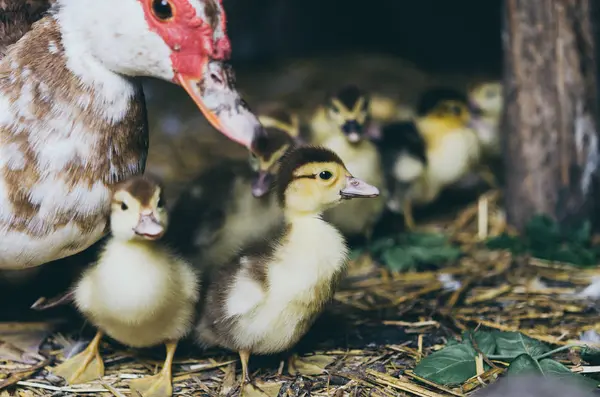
73	119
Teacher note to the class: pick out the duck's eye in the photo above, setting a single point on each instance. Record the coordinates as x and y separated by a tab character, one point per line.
325	175
334	109
124	206
162	9
490	93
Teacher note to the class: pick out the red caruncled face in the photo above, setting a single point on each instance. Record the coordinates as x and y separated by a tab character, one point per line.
191	38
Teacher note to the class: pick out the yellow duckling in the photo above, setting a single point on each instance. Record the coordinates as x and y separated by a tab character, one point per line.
266	298
423	157
487	101
138	292
342	125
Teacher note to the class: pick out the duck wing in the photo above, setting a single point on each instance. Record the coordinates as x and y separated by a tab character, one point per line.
16	18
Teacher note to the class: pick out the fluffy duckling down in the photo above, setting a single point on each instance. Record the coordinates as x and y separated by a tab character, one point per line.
487	102
423	157
230	204
343	126
266	298
138	292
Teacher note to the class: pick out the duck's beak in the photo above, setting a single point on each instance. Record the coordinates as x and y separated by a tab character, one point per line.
358	188
149	227
215	94
262	183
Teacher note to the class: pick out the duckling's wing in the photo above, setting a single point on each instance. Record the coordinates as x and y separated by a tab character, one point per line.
16	18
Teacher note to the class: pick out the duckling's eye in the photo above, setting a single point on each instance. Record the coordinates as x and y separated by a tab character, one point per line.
325	175
124	206
162	9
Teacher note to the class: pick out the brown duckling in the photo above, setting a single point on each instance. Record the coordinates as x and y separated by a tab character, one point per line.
266	298
342	125
230	204
138	292
434	151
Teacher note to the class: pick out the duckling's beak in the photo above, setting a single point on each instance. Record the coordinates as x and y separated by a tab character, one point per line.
215	94
358	188
352	129
262	183
149	227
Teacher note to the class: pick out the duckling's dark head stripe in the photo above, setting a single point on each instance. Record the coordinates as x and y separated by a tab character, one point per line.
142	188
431	98
270	142
297	158
349	95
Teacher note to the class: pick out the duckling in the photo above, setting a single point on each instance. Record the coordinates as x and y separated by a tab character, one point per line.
486	100
423	157
266	298
230	204
138	292
341	125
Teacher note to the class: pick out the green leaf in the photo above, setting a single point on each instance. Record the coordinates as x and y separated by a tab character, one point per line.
544	239
486	342
524	364
382	244
591	355
581	235
452	365
398	259
416	250
513	344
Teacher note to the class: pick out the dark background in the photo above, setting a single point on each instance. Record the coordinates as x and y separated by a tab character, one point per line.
449	35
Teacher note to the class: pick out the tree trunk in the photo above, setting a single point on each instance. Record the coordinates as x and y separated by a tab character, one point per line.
550	123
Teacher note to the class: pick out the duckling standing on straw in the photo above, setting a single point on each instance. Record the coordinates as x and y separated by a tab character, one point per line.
427	155
138	292
265	300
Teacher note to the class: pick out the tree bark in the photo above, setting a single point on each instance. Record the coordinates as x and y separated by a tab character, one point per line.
550	121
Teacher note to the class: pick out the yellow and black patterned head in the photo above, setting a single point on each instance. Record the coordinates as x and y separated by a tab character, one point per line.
348	109
312	179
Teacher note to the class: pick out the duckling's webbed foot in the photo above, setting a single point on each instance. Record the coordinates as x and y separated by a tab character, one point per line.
85	366
158	385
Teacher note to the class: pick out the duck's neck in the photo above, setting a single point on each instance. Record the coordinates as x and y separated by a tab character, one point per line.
94	118
55	62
